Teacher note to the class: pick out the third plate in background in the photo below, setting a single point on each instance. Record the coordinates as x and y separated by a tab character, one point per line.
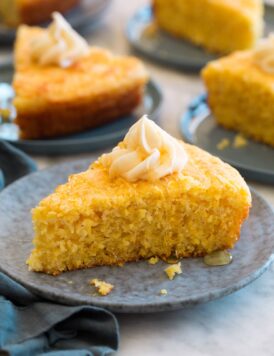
254	160
148	40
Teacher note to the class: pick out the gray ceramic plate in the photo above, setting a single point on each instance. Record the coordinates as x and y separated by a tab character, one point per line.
198	126
137	285
101	137
166	49
87	13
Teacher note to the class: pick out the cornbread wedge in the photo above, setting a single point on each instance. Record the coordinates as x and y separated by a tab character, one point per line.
54	101
240	95
94	220
221	26
32	12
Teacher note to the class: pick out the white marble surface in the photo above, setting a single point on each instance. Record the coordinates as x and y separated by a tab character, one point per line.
241	324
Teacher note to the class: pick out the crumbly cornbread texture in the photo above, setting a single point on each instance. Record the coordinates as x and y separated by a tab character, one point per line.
32	12
93	220
53	101
241	96
172	270
221	26
103	287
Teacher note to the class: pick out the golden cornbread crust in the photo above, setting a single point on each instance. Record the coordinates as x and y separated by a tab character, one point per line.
93	220
52	101
241	95
32	12
221	26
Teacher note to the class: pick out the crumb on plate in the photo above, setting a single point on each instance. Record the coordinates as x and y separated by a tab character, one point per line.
102	287
240	141
224	143
153	260
163	292
172	270
151	29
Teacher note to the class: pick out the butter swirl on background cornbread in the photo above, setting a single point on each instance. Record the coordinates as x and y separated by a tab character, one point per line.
59	45
264	54
147	153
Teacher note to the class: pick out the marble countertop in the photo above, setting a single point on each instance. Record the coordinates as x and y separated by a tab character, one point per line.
241	324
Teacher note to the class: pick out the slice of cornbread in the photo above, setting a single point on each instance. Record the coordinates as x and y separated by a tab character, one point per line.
221	26
32	12
94	220
241	96
54	101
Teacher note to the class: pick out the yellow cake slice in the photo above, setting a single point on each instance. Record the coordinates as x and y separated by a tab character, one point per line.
151	196
221	26
240	91
32	12
64	86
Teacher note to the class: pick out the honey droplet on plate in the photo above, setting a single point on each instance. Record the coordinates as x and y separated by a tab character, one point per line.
218	258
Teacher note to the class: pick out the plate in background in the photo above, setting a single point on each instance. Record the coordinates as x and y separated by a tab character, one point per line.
136	285
255	161
87	13
14	164
158	45
97	138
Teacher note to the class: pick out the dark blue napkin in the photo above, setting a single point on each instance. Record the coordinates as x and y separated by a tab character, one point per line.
30	326
2	180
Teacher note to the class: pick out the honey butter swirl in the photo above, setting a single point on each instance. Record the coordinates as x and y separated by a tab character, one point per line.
59	44
147	153
264	54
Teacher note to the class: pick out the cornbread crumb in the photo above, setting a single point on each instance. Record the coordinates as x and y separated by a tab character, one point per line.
172	270
153	260
103	288
224	143
163	292
5	114
240	141
151	29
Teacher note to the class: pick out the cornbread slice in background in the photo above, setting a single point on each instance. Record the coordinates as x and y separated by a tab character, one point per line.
94	220
241	96
54	101
32	12
221	26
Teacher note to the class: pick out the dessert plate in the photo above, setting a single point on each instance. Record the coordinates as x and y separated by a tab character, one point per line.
14	164
147	39
87	13
136	285
254	160
86	141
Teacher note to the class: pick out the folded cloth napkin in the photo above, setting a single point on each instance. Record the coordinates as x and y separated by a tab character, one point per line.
30	326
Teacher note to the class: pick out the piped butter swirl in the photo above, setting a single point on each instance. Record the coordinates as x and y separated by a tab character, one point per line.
264	54
147	153
59	44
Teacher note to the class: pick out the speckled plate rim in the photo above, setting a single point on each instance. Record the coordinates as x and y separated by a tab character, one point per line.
125	307
188	63
198	107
